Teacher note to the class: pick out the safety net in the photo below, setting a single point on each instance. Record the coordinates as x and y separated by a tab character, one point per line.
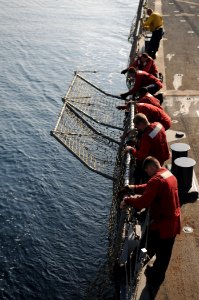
90	126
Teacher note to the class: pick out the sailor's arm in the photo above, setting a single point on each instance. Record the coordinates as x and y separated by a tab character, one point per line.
144	201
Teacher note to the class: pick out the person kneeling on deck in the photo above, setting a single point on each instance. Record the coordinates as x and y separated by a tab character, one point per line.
154	114
145	63
152	141
143	79
144	97
160	194
155	24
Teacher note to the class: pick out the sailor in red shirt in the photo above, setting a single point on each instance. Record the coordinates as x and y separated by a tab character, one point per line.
143	79
145	63
160	194
154	114
152	142
145	97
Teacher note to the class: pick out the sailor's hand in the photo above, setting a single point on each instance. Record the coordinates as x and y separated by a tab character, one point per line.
128	148
123	204
124	95
124	190
130	186
124	71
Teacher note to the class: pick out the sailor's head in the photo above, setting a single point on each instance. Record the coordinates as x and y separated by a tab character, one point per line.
149	11
140	121
151	165
132	71
144	57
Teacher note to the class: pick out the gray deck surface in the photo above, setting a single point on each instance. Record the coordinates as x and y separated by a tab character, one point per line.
178	60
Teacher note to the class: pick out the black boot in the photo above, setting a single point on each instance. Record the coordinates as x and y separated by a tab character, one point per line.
160	97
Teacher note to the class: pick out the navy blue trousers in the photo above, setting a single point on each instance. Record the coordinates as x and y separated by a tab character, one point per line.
154	42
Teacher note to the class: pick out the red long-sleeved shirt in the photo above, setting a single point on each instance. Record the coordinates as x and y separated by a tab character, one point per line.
149	66
150	99
154	114
153	142
143	79
161	195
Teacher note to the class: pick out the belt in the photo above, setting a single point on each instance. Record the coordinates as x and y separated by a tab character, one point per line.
158	27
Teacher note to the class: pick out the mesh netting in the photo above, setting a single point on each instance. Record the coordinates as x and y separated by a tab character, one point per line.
95	102
90	126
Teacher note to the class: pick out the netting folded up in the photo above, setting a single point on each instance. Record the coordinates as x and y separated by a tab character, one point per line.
90	126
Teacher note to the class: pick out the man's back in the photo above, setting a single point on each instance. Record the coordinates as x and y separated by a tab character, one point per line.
142	79
150	99
154	114
154	143
148	66
154	21
161	194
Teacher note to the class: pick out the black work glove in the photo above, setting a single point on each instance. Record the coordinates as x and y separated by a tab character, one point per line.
123	96
124	71
124	191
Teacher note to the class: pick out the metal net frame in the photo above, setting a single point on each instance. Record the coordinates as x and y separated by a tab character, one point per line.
90	126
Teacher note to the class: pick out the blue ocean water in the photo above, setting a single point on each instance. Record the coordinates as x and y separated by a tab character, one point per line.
53	211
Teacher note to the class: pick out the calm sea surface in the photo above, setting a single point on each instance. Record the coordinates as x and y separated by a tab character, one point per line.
53	211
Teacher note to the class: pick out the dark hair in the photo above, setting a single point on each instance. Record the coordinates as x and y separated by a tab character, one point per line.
149	11
151	161
140	118
132	70
145	55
